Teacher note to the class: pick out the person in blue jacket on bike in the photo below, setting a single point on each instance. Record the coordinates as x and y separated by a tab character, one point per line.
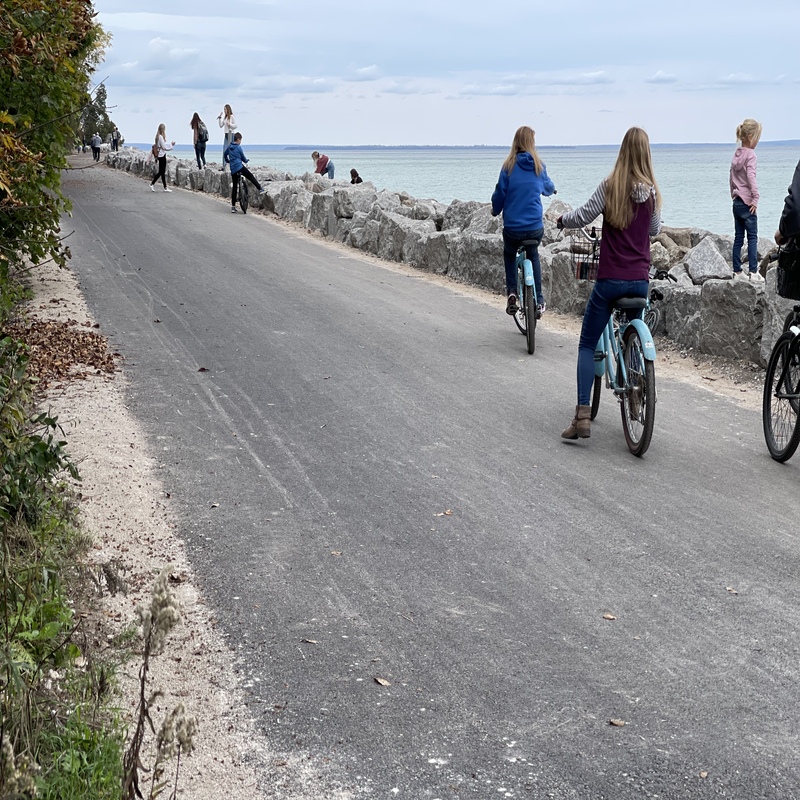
518	196
234	155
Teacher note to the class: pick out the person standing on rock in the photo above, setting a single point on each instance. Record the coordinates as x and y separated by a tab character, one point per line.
630	202
322	164
518	196
162	146
744	193
199	139
227	122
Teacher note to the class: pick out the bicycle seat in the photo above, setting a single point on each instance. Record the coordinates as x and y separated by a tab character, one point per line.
629	302
528	243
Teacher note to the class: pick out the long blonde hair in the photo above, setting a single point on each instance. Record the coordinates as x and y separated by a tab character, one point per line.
524	142
749	132
228	111
634	166
162	131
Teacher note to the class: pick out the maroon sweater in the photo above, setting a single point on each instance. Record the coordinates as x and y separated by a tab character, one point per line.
625	254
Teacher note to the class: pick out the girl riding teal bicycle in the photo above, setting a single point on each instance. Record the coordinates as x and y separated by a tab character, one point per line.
518	196
630	202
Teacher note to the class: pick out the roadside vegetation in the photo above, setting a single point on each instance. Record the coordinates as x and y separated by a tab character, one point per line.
60	736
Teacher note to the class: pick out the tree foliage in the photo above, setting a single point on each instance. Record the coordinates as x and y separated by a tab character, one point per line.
48	50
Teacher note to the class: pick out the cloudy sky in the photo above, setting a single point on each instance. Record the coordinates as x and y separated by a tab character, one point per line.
453	72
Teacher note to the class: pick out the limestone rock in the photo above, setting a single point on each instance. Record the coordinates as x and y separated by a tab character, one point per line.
682	317
458	214
705	262
732	318
477	258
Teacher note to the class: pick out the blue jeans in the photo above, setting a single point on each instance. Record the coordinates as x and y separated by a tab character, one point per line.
200	152
511	243
328	170
743	221
595	318
225	144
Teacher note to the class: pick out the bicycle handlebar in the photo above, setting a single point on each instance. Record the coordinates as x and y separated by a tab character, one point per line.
663	275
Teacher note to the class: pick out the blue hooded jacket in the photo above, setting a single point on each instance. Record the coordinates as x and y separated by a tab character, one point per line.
519	195
235	155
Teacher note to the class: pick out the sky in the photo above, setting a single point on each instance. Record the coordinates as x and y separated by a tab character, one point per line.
417	72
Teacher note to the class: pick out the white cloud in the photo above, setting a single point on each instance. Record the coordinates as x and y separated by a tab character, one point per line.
662	77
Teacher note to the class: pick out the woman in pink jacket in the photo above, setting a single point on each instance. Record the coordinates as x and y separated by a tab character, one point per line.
744	192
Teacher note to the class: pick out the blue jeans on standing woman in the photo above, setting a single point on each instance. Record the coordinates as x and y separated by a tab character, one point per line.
595	318
744	220
511	243
200	153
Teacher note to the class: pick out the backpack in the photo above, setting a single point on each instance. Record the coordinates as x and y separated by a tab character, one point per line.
202	132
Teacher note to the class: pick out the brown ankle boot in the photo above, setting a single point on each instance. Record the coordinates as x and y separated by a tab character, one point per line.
581	425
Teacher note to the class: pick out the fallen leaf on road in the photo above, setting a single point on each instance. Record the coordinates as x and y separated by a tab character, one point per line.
731	590
706	378
703	774
203	369
309	641
382	682
336	552
215	505
608	616
617	723
447	513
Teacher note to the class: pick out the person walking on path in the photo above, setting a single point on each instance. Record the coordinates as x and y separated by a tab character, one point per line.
115	137
199	139
163	147
744	193
518	196
630	202
234	155
96	142
227	121
322	164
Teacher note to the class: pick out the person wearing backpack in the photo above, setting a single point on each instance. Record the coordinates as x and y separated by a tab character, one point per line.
199	139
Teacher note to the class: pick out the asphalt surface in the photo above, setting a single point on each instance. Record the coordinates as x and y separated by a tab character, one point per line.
369	475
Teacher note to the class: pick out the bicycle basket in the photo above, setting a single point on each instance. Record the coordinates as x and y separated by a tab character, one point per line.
584	252
788	274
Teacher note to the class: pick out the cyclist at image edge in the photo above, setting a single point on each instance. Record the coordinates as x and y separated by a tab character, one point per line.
789	225
234	155
630	202
518	195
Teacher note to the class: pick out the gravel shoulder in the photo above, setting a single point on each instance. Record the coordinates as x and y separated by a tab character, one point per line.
126	510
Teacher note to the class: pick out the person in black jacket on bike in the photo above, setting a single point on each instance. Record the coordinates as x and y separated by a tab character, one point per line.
789	225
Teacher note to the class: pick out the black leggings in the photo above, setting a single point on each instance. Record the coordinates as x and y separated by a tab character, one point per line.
237	176
162	171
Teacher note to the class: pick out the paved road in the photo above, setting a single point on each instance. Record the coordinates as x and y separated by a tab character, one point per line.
345	409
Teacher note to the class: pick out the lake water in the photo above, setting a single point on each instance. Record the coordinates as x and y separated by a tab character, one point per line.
693	177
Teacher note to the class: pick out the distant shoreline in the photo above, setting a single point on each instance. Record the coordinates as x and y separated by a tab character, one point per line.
395	147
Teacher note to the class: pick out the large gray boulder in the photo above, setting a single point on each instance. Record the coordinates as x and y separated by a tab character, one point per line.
563	292
705	262
398	235
320	211
482	221
364	233
436	249
682	317
459	213
429	209
732	314
477	258
348	200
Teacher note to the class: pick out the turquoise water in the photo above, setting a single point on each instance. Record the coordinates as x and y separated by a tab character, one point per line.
693	177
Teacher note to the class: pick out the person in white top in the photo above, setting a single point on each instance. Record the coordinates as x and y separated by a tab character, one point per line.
227	122
161	143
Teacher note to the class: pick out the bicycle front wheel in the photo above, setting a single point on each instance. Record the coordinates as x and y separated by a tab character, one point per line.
596	387
652	318
244	200
530	319
638	405
780	404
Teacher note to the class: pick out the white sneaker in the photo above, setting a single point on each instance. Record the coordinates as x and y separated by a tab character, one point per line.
262	190
167	190
233	209
756	277
738	275
152	188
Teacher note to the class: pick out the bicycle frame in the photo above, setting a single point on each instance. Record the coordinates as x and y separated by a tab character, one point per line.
525	272
607	360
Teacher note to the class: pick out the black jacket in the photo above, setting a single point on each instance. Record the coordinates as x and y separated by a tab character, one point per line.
789	225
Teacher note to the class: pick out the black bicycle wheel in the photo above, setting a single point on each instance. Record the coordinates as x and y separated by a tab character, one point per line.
244	199
652	318
638	405
596	388
530	319
779	412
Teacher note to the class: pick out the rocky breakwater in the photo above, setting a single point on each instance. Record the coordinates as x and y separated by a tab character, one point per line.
705	309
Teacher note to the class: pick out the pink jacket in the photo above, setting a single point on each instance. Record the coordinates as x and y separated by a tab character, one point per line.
743	176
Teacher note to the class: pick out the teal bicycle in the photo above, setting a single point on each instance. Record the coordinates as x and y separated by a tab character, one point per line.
527	309
625	356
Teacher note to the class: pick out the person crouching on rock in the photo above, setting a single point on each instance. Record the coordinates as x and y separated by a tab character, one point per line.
234	155
355	177
630	202
322	164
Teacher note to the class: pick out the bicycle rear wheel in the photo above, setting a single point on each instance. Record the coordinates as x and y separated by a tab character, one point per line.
638	406
530	319
244	199
779	412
